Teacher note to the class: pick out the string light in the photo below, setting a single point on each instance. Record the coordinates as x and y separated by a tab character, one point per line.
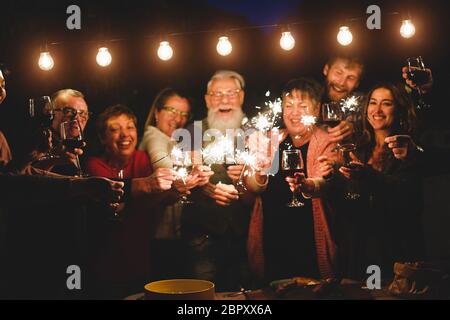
287	41
165	51
344	36
103	57
407	30
224	46
46	62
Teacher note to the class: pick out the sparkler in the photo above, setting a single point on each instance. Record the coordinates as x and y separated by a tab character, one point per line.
351	104
308	120
266	120
216	152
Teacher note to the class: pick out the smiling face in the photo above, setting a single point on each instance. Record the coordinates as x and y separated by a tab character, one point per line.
173	115
341	78
78	104
224	101
295	105
381	109
120	137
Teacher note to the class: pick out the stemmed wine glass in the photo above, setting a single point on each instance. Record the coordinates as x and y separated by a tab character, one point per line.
292	162
241	160
41	110
72	138
417	73
182	165
346	161
332	115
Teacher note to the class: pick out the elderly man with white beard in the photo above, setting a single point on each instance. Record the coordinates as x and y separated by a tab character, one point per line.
215	226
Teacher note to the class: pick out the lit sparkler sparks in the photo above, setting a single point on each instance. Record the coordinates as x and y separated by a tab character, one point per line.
351	104
266	120
308	120
218	151
176	154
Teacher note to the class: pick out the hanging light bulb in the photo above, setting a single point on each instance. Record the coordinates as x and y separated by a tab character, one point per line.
344	36
224	46
287	41
165	51
103	57
46	62
407	30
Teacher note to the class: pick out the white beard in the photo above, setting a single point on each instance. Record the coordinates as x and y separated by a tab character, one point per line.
215	122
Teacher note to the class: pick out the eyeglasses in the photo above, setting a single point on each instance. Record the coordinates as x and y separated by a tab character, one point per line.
172	111
68	111
229	94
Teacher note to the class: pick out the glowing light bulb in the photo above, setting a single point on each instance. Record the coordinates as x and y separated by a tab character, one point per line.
224	46
103	57
287	41
46	62
165	51
407	30
344	36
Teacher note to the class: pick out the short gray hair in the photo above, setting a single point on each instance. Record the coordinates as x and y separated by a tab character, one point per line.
227	74
67	92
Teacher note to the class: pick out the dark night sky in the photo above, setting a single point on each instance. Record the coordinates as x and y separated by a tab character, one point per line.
136	74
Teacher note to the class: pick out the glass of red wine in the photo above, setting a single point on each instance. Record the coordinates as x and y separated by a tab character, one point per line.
72	138
292	162
418	75
41	110
332	115
346	160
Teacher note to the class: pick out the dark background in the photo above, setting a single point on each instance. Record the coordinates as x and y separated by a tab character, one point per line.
136	73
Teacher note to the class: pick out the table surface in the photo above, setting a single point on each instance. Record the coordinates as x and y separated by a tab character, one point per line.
341	292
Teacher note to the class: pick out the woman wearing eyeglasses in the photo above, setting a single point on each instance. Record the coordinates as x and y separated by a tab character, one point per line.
170	110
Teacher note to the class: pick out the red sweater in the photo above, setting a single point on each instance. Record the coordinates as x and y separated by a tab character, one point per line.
138	167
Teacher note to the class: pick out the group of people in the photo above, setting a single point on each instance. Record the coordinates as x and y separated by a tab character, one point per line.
127	226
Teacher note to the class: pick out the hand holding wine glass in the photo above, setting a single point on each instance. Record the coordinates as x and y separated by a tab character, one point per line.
292	163
334	118
72	140
415	73
351	167
418	77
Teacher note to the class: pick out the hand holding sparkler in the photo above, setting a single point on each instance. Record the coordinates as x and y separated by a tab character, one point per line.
225	194
161	180
262	146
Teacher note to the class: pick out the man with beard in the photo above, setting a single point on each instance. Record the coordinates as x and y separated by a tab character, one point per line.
215	226
343	73
342	76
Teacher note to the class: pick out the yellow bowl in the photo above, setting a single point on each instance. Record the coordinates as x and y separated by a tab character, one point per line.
180	289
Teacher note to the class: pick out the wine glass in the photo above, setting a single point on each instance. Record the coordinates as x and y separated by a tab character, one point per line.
418	75
41	110
332	115
116	216
241	160
346	161
72	138
182	165
292	162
